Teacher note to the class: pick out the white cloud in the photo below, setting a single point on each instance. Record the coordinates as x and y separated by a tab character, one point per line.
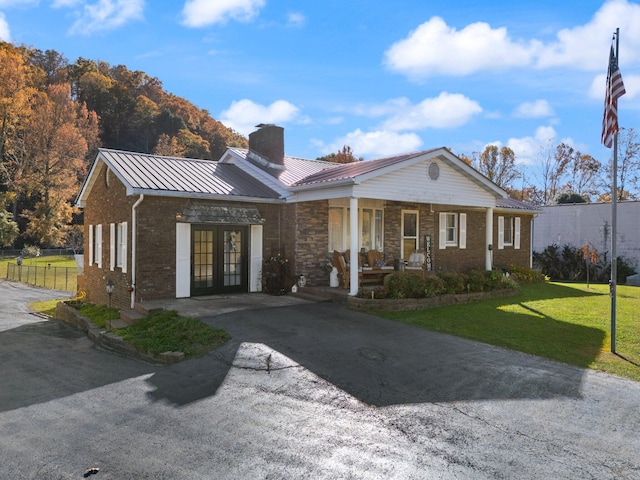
107	15
537	109
244	115
528	149
586	47
200	13
295	19
377	144
5	34
435	48
447	110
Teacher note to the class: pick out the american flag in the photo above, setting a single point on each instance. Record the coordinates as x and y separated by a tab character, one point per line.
615	89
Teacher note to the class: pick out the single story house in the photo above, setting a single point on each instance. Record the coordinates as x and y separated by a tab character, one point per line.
163	227
579	224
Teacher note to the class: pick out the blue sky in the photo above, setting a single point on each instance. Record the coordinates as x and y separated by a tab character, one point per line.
381	77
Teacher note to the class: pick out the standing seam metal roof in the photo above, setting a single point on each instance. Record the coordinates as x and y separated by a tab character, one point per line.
153	172
352	170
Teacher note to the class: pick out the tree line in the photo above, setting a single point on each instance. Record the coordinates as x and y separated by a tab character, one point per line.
562	173
54	115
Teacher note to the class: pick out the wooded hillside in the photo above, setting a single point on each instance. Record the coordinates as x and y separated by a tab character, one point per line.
54	115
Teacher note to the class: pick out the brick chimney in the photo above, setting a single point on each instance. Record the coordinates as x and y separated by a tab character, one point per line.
268	141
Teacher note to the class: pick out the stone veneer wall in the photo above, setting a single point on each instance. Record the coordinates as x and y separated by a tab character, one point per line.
312	240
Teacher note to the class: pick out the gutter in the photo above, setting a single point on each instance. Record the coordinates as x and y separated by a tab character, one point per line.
134	226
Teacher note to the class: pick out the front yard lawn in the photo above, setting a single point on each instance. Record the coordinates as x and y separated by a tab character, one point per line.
561	321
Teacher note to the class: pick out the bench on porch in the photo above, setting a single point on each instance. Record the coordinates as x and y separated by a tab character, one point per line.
371	269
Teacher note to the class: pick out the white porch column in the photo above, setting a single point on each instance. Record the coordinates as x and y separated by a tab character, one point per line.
353	246
489	240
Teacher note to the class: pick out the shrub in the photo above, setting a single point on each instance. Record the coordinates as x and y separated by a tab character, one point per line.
433	286
397	285
525	274
275	275
476	280
453	282
569	263
30	251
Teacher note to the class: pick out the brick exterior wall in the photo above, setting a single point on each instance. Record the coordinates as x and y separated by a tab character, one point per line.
105	205
509	255
298	231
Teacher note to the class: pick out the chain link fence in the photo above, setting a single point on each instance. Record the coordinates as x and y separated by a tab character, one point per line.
52	277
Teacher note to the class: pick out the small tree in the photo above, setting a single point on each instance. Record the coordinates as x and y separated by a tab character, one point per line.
590	256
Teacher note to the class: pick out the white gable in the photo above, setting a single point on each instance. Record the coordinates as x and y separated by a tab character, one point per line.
414	184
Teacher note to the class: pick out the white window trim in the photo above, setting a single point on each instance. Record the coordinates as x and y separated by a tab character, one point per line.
112	246
90	245
460	231
122	246
515	232
402	235
98	248
346	233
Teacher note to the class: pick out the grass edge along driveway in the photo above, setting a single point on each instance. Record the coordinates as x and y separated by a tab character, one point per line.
567	322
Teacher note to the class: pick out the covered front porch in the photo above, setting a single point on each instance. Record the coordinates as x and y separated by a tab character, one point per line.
412	236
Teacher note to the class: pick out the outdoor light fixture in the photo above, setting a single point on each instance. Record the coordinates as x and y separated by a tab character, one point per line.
110	287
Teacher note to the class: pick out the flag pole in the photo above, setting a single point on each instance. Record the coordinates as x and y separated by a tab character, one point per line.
614	222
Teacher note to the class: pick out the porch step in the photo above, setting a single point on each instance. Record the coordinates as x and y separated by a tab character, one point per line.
320	295
138	307
116	323
131	316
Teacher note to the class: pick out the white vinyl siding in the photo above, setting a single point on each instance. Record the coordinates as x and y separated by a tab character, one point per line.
408	184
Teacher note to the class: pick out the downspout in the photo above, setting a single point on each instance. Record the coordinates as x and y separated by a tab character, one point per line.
134	228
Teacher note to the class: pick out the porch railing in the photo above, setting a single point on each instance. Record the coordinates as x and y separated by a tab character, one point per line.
52	277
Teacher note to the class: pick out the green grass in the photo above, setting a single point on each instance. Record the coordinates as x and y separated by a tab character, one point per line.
47	307
99	314
58	272
565	322
167	331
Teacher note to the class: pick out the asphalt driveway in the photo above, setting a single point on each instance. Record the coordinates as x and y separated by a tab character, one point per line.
308	391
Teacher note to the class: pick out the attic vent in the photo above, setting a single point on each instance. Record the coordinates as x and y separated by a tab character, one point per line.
434	171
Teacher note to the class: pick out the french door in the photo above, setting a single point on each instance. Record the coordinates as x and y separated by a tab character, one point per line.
219	259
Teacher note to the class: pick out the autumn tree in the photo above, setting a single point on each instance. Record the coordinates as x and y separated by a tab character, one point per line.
628	168
17	87
575	172
345	155
56	150
498	165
